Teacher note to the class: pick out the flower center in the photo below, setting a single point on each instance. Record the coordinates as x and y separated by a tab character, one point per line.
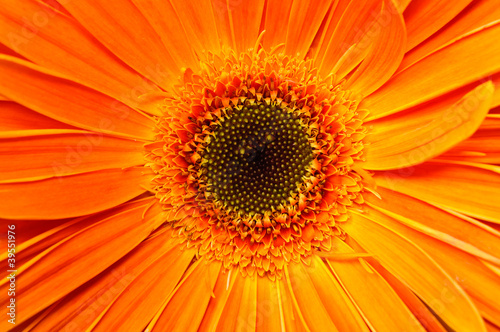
255	160
257	157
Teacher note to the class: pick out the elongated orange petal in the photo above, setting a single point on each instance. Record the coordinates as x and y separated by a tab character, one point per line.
482	147
81	307
429	138
377	302
340	308
468	271
80	258
401	4
57	230
14	116
198	22
416	269
492	122
423	18
424	315
480	283
40	90
56	41
476	239
162	17
435	75
142	298
357	28
467	189
304	21
222	291
118	26
307	299
269	313
277	16
490	314
386	127
4	49
385	55
221	17
49	155
491	327
291	317
28	230
331	22
180	313
245	19
73	195
240	311
478	14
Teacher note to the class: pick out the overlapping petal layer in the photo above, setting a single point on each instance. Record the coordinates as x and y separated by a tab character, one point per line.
97	252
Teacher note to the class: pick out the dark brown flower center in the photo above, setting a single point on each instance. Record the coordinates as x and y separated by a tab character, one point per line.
256	158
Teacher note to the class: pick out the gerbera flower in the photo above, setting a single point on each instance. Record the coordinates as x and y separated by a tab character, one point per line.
260	165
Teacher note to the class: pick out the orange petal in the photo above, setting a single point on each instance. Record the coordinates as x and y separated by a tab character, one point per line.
73	195
474	238
80	258
40	90
240	311
244	19
80	308
330	25
470	273
467	189
424	315
137	304
482	147
16	117
56	6
49	155
222	291
162	17
356	29
377	302
57	230
307	300
385	54
54	40
180	314
340	308
269	313
198	22
492	121
386	127
304	21
418	270
401	4
423	18
291	317
277	16
126	33
8	51
429	138
490	314
491	327
478	14
474	57
28	230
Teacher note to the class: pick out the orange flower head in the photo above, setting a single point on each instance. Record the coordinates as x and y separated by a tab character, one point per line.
253	159
168	166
